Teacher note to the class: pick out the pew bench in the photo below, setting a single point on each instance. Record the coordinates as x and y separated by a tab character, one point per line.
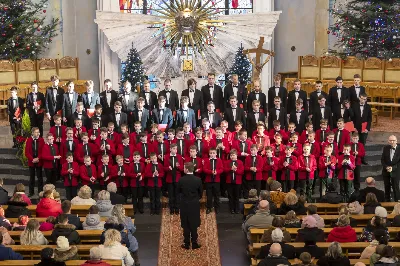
86	236
255	262
68	263
43	219
392	106
33	251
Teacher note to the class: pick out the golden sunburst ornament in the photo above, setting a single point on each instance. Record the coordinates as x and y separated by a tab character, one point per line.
187	22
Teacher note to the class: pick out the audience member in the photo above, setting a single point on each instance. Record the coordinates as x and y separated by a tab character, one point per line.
84	197
3	193
388	257
95	258
7	253
375	226
114	196
252	198
343	232
72	218
47	258
93	220
343	209
262	219
355	208
291	220
4	222
310	229
20	189
65	229
32	235
382	212
334	256
377	255
312	210
21	224
368	251
17	207
291	202
119	212
7	240
305	259
64	251
104	204
48	225
331	196
45	188
288	251
274	257
310	246
48	206
264	195
396	212
371	188
277	196
277	222
112	249
371	203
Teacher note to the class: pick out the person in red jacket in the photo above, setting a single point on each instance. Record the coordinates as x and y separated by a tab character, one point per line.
152	136
135	138
105	171
304	135
200	144
94	132
261	138
183	144
88	173
173	167
238	127
143	148
85	148
33	150
234	170
112	134
321	134
104	145
277	130
125	149
326	169
343	232
137	182
294	142
213	168
288	165
291	130
242	145
358	152
95	258
278	148
316	151
226	133
342	135
123	175
330	141
346	165
220	143
197	161
70	173
68	145
160	147
253	167
187	135
154	173
51	159
307	167
271	164
48	206
58	130
78	129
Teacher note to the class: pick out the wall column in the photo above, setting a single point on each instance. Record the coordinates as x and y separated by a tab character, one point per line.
321	26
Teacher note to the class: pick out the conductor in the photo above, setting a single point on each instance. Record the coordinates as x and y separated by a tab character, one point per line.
391	168
191	191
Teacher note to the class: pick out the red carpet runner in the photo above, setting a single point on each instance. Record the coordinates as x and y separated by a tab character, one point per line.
171	238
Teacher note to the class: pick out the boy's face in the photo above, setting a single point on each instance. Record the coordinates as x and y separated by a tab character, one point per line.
211	108
224	126
110	128
277	82
256	107
147	87
71	87
357	81
311	137
346	150
340	124
153	159
171	135
108	85
291	127
277	103
99	111
288	152
186	128
243	136
105	160
34	88
298	106
318	87
103	135
140	104
211	79
174	150
330	138
306	149
136	158
199	134
339	83
260	130
205	124
124	130
322	102
88	161
354	139
180	134
219	134
36	133
277	127
50	139
278	139
162	103
268	153
79	108
127	87
57	121
137	127
55	82
295	138
310	127
257	86
253	151
120	161
70	134
184	105
363	100
70	159
213	154
233	102
233	156
297	85
328	151
324	126
238	128
193	153
96	125
143	139
117	108
78	123
85	139
89	88
154	130
125	141
160	138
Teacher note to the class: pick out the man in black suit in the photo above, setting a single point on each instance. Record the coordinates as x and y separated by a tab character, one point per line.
195	99
314	98
370	188
235	89
141	114
299	117
128	100
212	116
253	117
54	99
362	114
258	95
356	90
90	98
149	96
185	114
15	110
294	95
108	97
170	95
234	113
118	117
191	190
277	91
336	97
82	115
70	99
162	114
391	169
213	92
321	112
35	103
277	113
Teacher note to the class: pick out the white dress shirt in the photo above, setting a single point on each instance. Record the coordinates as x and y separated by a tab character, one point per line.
234	113
277	111
168	94
298	114
211	117
55	93
147	96
362	109
322	112
108	95
296	93
71	97
277	91
392	152
126	96
212	92
257	95
357	91
256	116
235	90
140	114
339	93
191	96
89	96
117	118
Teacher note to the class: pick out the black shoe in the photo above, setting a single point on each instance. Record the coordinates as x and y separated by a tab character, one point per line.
177	212
237	212
208	211
171	212
195	246
216	210
232	211
364	162
185	246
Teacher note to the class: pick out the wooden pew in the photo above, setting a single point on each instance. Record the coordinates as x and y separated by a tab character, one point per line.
256	233
43	219
392	106
81	210
69	263
86	236
255	262
33	251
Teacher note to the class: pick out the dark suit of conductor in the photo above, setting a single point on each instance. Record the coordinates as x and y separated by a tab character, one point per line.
391	157
191	191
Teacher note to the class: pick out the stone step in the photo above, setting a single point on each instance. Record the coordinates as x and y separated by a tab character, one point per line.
374	147
13	169
8	158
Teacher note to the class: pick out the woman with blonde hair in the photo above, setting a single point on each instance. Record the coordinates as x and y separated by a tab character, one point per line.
119	212
396	218
31	235
84	197
292	203
114	250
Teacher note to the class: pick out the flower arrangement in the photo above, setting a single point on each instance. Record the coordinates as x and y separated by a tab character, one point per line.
21	135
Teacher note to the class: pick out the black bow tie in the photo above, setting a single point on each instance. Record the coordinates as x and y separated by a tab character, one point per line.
256	112
211	113
140	110
108	91
322	107
161	109
233	108
71	93
296	91
393	149
127	93
299	112
184	110
146	92
80	114
191	90
117	113
235	86
168	91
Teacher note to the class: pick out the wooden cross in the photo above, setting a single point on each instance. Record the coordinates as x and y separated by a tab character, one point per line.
259	51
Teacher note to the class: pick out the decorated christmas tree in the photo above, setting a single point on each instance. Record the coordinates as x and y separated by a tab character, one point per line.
24	33
366	28
241	66
133	71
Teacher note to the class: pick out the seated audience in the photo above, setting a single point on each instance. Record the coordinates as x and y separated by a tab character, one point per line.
291	202
32	235
277	196
48	225
63	228
312	210
388	257
274	257
45	188
84	197
17	207
331	196
310	229
119	212
47	258
288	251
371	188
104	204
114	196
343	232
305	259
355	208
64	251
253	198
93	220
310	246
112	249
21	224
368	251
334	256
7	253
377	255
291	220
277	222
3	193
72	218
344	210
382	212
370	204
7	240
396	212
95	258
48	206
262	219
4	222
264	195
20	189
374	227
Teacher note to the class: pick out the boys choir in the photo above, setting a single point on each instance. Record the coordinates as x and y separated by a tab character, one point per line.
141	141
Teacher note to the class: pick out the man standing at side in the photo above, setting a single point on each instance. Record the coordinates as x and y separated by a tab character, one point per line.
391	168
191	190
